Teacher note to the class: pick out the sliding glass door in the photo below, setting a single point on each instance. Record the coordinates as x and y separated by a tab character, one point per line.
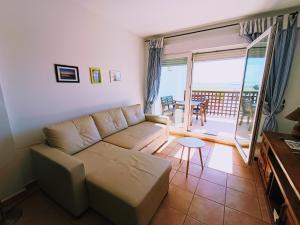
216	84
173	92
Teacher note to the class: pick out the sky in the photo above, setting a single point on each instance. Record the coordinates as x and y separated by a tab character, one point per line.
219	71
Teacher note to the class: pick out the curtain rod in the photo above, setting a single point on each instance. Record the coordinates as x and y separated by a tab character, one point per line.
222	50
208	29
198	31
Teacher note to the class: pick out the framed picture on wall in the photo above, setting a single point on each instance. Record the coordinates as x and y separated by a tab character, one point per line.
115	75
95	75
67	74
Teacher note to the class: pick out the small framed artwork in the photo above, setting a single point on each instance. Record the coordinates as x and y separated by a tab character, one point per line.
95	75
115	75
68	74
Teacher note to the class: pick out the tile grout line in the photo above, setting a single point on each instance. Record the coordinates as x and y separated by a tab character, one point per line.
226	188
196	195
260	203
187	213
225	199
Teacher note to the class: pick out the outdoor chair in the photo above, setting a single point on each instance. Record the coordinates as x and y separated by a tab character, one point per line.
168	105
201	110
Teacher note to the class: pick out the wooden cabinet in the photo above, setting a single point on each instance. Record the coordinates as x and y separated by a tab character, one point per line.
279	168
286	217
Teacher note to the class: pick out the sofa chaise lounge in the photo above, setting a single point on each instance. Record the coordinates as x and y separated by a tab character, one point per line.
104	161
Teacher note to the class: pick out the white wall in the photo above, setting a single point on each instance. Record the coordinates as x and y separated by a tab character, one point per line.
36	34
7	151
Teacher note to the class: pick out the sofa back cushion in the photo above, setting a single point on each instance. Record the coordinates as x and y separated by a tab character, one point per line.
110	122
133	114
72	136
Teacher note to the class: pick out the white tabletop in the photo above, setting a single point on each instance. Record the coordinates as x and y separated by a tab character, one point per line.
191	142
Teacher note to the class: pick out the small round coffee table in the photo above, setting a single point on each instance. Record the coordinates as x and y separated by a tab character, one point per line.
190	142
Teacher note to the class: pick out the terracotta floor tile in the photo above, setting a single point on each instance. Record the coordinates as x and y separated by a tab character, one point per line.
241	184
195	158
175	152
214	176
238	160
191	221
243	202
260	189
211	191
241	171
264	208
165	151
255	172
160	155
172	173
178	199
194	169
221	158
174	161
206	211
186	183
173	144
168	216
39	209
233	217
194	155
91	218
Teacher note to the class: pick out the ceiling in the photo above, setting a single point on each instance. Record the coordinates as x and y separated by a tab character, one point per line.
147	18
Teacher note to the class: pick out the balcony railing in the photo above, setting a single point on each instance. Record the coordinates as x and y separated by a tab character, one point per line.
223	103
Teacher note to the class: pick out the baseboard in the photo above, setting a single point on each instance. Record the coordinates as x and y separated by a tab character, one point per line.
14	199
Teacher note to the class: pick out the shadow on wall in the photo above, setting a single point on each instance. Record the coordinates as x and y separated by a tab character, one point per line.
35	134
15	174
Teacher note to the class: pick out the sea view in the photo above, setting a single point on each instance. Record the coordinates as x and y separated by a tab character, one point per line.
222	87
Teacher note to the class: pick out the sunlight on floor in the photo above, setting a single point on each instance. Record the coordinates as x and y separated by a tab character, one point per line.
171	138
221	158
219	126
185	153
229	120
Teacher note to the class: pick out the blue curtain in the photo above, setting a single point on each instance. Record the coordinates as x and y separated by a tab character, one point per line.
154	72
283	52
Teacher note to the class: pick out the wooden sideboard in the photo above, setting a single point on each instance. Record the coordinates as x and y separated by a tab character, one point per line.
279	168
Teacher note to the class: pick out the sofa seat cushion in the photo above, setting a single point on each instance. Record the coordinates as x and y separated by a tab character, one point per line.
138	136
93	156
125	186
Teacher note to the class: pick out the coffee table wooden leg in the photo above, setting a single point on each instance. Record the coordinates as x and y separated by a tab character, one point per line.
181	153
188	162
200	154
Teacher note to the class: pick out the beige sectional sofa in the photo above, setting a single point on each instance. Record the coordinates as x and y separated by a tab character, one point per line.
104	161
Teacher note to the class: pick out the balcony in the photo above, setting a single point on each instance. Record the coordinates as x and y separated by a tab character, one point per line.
222	112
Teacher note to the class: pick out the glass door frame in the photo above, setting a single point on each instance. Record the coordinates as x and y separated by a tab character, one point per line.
187	96
214	50
257	115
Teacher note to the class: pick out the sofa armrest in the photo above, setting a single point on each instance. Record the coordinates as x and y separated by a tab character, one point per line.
157	119
61	176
